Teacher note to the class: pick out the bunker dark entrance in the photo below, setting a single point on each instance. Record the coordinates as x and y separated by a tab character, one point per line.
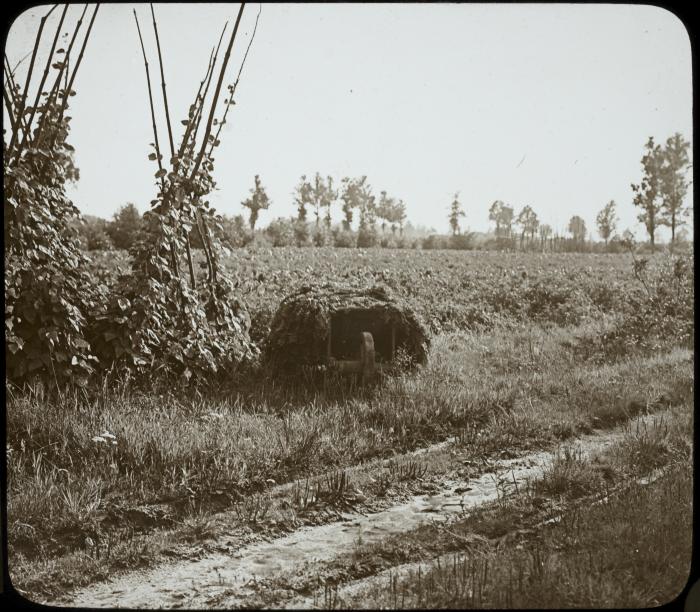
346	330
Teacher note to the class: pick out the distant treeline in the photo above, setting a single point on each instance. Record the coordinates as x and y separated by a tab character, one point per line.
123	230
382	221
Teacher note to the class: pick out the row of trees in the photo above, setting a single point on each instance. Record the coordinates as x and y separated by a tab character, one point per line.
356	195
523	230
125	230
319	196
122	232
530	231
660	196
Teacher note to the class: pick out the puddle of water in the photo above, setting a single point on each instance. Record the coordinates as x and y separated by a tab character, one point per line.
191	583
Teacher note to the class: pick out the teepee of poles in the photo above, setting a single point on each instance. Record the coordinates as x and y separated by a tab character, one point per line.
185	180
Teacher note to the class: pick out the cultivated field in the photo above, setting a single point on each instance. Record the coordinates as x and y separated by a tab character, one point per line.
542	456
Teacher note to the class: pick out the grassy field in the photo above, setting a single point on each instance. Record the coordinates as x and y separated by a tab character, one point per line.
527	351
451	290
613	539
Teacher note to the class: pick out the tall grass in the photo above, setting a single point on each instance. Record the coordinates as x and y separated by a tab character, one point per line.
627	546
73	461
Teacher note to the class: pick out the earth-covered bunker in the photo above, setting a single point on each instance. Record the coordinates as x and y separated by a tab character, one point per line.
321	325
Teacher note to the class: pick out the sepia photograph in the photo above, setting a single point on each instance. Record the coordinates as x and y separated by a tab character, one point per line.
348	306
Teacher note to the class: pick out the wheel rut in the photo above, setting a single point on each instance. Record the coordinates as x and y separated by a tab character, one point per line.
228	579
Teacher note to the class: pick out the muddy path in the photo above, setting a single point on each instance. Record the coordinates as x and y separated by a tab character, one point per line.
352	594
227	580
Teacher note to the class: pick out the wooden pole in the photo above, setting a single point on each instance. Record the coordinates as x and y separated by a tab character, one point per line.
41	84
200	108
235	84
194	120
173	160
176	163
202	229
23	100
162	84
207	131
161	171
10	110
15	116
69	87
53	93
216	93
195	105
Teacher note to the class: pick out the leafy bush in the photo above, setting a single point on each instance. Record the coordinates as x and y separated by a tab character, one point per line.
659	313
462	241
281	232
154	324
302	235
47	289
344	238
666	308
153	321
125	227
367	237
92	233
387	242
235	232
321	237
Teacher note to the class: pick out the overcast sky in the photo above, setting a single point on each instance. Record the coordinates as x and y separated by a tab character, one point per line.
546	105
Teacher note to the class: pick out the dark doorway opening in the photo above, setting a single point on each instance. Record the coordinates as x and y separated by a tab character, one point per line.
346	328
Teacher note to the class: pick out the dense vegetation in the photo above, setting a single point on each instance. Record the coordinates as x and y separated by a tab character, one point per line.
477	290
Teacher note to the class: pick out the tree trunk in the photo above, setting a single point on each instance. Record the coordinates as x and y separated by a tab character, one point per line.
673	227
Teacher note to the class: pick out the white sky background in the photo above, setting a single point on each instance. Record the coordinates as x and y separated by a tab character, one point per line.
546	105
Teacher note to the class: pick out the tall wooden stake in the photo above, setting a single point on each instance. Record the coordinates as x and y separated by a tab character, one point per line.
41	84
173	248
23	100
69	87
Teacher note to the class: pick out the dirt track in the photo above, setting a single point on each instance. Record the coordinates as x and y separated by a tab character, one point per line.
227	580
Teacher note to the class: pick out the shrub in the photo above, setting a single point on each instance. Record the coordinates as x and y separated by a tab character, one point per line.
321	237
435	241
235	232
125	227
344	238
462	241
658	313
154	324
281	232
302	235
367	237
47	289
